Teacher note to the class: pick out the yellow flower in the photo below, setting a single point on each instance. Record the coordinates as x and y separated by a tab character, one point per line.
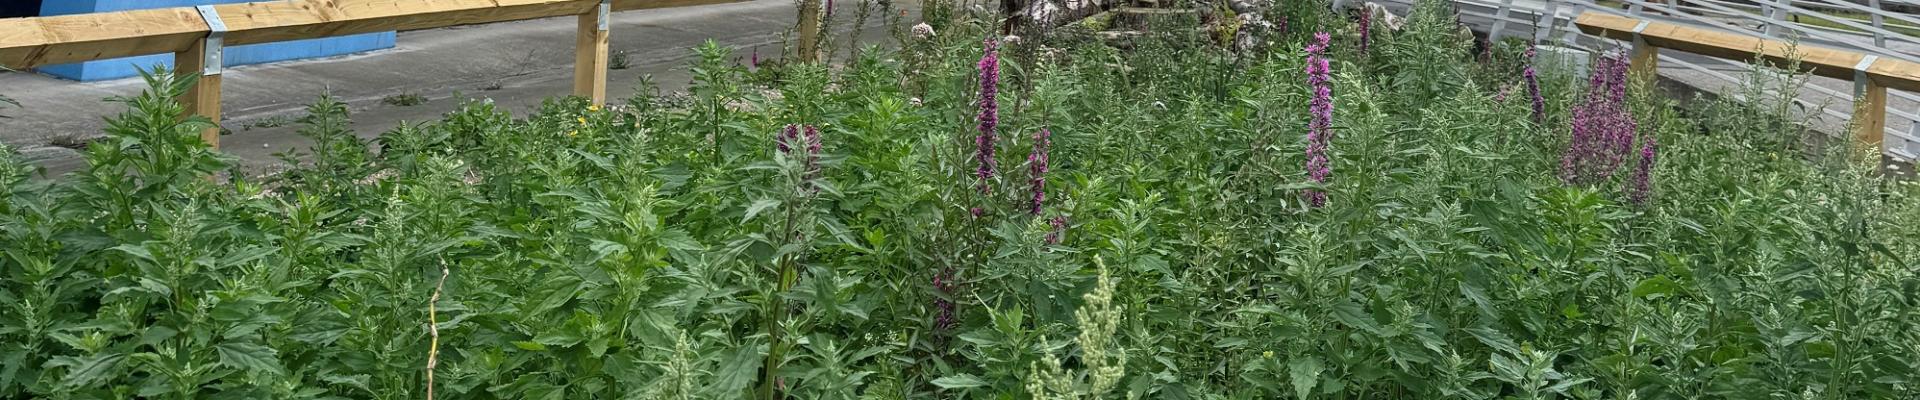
583	120
1268	354
573	133
593	107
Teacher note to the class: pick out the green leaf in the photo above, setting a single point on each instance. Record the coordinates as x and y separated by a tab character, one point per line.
530	345
1354	315
757	207
1566	384
679	240
249	357
1305	373
1657	285
1479	298
1494	338
561	337
961	381
137	251
84	372
736	372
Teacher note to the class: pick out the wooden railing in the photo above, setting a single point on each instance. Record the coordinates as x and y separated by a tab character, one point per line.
197	35
1871	75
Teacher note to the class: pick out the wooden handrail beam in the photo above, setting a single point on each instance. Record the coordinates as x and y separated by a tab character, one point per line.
36	41
1871	75
1833	63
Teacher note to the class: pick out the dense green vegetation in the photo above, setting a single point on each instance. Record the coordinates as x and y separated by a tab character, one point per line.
800	232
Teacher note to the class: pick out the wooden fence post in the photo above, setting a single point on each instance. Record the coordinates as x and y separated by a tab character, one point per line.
205	59
809	31
590	54
1870	105
1645	58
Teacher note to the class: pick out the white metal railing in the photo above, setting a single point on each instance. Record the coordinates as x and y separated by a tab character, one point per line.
1870	30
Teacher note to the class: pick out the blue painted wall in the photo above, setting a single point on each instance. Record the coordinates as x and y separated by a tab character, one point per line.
236	55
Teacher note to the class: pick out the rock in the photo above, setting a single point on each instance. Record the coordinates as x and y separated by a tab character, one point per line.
1249	6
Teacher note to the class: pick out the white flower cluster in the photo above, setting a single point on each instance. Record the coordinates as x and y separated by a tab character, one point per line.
1105	361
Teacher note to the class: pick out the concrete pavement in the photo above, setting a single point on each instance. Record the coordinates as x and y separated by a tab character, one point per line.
517	64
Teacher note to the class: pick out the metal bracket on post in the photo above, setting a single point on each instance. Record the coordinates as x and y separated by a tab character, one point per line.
606	14
1869	122
1860	75
215	42
1637	40
1645	57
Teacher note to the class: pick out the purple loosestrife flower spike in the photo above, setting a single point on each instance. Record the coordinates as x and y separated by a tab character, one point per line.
1059	229
1319	128
989	115
1603	126
1037	168
943	309
1366	29
784	139
1641	189
813	158
1533	89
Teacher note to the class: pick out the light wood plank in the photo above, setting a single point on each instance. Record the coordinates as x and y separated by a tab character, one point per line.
590	59
1822	61
1870	115
263	22
36	41
809	31
630	5
1644	59
203	98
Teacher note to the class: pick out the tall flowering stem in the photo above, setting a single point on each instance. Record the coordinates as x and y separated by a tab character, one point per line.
809	138
1319	129
1533	89
1603	127
812	165
783	141
1037	169
802	143
943	308
989	118
1366	29
1059	224
1640	190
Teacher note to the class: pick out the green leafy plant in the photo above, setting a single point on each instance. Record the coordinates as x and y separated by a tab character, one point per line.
1153	242
404	100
